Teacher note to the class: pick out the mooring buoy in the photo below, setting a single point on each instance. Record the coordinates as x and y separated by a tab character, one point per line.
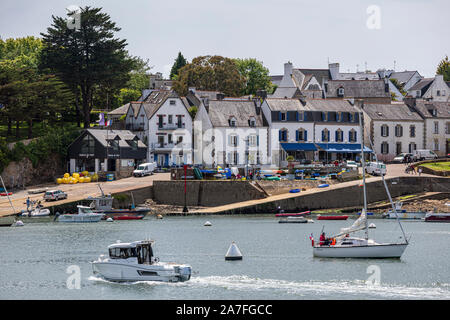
233	252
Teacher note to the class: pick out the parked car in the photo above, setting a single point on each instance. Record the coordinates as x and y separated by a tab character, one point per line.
54	195
352	165
401	158
144	169
376	168
424	154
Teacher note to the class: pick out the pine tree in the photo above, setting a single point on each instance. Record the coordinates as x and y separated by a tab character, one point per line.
179	63
444	68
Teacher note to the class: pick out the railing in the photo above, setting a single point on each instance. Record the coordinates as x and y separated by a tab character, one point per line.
179	145
172	126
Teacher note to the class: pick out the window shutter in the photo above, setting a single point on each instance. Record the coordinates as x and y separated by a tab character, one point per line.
297	134
279	115
237	140
305	135
296	116
279	135
237	157
257	141
323	135
336	136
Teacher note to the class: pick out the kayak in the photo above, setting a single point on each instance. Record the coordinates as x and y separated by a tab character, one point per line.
292	214
4	194
323	185
332	217
294	190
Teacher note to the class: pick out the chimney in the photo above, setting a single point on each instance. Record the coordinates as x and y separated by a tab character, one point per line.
288	69
439	77
334	70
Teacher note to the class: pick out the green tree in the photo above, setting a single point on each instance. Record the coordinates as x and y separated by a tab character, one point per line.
255	74
179	63
444	68
214	73
398	85
89	58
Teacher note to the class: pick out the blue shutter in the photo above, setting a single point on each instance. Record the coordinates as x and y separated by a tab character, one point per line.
279	116
349	136
305	135
279	135
323	135
296	116
296	135
257	140
336	133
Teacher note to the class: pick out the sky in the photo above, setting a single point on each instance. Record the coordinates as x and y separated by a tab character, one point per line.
407	34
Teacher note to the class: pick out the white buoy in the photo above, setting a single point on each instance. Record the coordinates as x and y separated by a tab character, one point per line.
208	224
233	252
372	226
19	223
110	219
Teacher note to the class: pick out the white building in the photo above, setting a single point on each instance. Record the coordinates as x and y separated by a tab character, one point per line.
314	129
432	89
436	117
393	129
230	133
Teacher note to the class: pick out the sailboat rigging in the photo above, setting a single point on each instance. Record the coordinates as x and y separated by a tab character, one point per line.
346	246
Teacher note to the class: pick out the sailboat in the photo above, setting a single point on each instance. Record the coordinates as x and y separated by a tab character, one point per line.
344	245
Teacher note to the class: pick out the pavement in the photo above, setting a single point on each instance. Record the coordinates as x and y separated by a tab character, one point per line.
77	191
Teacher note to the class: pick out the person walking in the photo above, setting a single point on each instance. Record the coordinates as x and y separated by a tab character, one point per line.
419	170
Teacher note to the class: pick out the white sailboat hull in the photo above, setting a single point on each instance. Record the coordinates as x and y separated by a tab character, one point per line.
388	250
80	218
124	272
405	215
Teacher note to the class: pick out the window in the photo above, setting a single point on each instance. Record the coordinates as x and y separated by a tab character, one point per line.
384	130
447	128
398	148
252	122
436	127
418	94
233	157
232	122
160	121
300	116
341	92
233	140
324	116
412	147
283	135
398	131
170	120
352	135
114	144
172	102
283	116
384	147
302	135
161	141
325	135
436	145
179	122
438	92
179	139
169	138
350	117
339	116
253	140
88	145
412	131
339	135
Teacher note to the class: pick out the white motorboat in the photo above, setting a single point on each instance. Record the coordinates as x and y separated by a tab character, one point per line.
293	220
344	246
403	214
39	211
129	262
85	214
7	221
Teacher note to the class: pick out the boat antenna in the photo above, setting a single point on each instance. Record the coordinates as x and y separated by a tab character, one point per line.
394	208
101	190
363	166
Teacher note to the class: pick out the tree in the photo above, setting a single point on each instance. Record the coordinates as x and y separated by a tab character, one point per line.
444	68
213	73
255	75
89	58
398	85
179	63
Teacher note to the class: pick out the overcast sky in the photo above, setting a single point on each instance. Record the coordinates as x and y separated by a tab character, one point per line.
414	33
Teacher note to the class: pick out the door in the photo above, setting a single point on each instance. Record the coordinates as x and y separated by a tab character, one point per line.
161	160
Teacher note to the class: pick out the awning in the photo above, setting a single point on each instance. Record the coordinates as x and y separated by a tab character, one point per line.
342	147
298	146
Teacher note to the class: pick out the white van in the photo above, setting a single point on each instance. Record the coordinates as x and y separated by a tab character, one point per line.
424	154
376	169
144	169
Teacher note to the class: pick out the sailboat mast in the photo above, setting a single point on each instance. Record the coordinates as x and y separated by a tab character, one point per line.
363	166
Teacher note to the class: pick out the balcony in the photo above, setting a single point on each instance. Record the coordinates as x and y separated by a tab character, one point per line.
169	146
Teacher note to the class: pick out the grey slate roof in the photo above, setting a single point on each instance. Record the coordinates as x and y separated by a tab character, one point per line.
359	76
320	74
101	135
402	76
221	111
338	105
358	88
395	111
120	110
422	85
276	79
279	104
285	92
425	107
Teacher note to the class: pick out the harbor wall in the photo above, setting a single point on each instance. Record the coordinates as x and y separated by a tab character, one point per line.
349	196
205	193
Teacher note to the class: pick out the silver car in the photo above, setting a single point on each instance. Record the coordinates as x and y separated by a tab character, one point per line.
54	195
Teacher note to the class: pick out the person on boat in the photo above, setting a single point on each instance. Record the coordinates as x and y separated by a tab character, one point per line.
28	204
322	239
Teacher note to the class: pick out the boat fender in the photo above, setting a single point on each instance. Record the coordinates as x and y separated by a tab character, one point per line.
333	242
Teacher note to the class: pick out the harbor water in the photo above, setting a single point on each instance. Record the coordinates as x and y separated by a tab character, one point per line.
38	260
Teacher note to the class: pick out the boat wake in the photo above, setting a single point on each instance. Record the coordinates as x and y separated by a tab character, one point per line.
310	289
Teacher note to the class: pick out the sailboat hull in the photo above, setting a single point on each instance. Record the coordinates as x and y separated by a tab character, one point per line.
374	251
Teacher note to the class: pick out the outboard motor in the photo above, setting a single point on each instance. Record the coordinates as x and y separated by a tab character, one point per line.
57	214
185	273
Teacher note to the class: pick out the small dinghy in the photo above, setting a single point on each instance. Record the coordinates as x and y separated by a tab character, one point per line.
19	223
319	217
233	252
129	262
372	226
208	224
323	185
294	191
293	220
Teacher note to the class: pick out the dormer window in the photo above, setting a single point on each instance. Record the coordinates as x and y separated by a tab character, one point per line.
324	116
300	116
232	122
252	122
172	102
339	116
340	92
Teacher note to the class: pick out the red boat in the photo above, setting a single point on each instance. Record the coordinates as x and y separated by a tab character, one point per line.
126	217
292	214
332	217
437	217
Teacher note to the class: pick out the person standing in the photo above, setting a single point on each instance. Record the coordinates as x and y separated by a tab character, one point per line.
419	170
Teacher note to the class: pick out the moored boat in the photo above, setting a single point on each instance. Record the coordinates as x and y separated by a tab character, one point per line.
320	217
437	217
402	213
129	262
293	220
85	214
293	214
7	221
